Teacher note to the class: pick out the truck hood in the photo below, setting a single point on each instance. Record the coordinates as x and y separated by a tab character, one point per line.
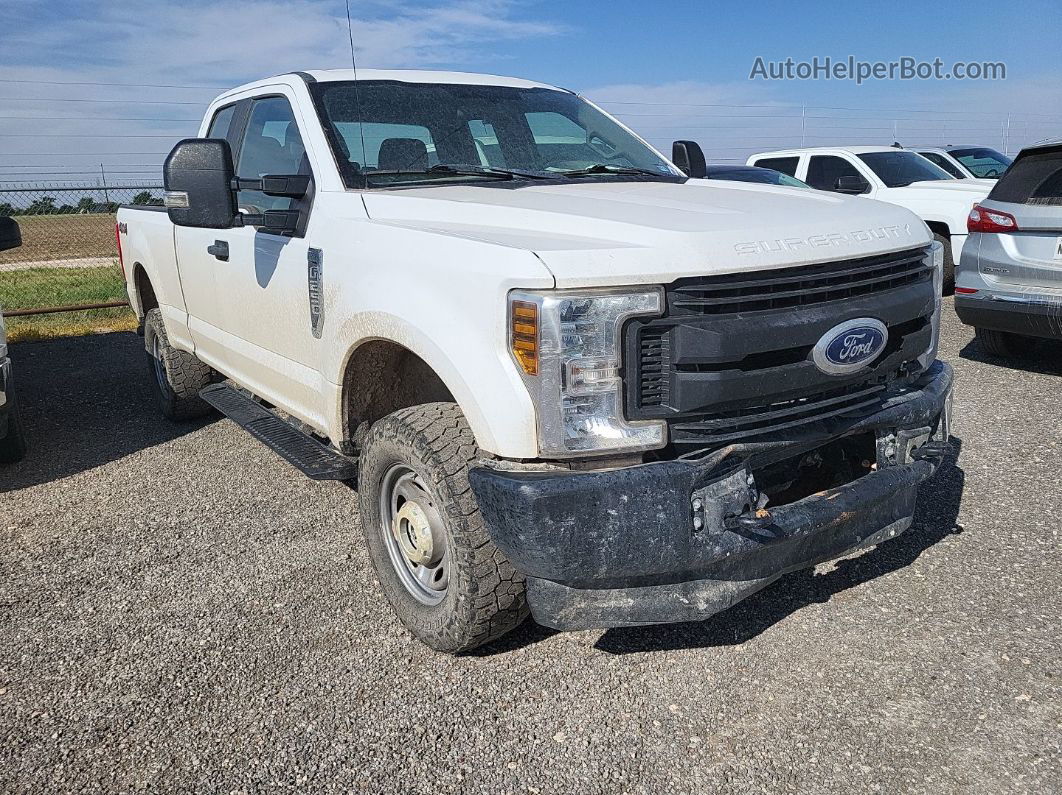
950	187
613	233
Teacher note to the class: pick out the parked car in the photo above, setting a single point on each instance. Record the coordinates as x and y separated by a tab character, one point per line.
1009	282
12	433
892	175
766	176
967	162
566	373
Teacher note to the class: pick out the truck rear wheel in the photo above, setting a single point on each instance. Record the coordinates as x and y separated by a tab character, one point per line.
177	375
1003	344
447	582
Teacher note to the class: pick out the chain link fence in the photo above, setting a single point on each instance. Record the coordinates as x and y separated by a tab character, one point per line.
65	277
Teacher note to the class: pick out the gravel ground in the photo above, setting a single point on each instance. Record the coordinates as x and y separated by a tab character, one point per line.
179	610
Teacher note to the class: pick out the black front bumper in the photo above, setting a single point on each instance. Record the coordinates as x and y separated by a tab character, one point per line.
621	547
1030	317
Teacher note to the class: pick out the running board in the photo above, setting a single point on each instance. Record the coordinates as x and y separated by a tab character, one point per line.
311	457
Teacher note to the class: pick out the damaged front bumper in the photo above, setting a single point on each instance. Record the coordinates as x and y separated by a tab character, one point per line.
680	540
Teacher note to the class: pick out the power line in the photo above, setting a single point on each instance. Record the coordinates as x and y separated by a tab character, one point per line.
89	118
115	101
124	85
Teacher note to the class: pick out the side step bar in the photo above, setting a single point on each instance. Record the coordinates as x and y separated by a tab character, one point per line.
313	459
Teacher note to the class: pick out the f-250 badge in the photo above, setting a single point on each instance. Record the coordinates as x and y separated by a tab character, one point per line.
315	280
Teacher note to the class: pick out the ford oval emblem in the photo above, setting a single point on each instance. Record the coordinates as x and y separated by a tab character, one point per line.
850	346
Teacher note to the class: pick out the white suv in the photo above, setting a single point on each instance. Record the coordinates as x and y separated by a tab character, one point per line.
892	175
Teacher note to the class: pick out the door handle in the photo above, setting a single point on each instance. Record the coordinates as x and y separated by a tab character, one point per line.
220	250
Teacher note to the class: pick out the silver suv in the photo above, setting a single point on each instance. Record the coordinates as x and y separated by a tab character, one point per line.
1008	285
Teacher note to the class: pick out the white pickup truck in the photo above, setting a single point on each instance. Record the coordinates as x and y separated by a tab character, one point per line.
567	377
892	175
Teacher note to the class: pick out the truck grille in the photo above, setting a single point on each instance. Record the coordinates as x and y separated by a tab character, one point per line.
804	285
718	374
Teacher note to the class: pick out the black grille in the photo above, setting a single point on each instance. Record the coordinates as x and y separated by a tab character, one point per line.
786	416
718	374
804	285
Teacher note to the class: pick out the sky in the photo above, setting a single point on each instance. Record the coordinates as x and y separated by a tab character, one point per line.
668	69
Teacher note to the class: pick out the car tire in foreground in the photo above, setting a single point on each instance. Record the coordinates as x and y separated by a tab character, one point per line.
437	566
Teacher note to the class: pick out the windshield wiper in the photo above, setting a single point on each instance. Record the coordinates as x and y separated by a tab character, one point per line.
606	168
459	171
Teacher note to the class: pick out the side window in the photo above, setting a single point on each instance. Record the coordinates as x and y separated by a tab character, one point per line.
271	145
219	127
825	170
787	165
944	163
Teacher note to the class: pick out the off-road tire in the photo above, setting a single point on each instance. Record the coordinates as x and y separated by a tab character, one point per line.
949	263
13	445
184	375
1003	344
485	596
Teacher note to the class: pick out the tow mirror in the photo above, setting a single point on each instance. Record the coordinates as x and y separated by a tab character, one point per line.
851	184
198	176
689	157
10	234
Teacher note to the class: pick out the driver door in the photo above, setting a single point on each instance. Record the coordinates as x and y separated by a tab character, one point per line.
263	286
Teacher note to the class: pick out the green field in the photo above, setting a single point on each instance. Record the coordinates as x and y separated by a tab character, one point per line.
52	237
44	287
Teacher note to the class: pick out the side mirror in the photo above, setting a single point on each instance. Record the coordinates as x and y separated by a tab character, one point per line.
689	157
851	185
10	234
198	176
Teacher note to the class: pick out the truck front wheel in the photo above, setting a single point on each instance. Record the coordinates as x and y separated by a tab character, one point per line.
437	566
176	375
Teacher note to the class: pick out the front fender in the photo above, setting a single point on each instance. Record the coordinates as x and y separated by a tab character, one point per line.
481	377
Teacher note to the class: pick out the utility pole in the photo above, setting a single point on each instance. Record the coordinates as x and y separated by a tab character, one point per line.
803	122
106	195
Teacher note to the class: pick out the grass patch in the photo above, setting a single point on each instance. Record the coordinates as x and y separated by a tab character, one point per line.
42	287
51	237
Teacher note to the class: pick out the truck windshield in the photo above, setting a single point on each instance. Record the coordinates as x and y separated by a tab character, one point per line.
897	169
389	133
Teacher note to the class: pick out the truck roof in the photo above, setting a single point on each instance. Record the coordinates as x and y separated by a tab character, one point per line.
853	150
402	75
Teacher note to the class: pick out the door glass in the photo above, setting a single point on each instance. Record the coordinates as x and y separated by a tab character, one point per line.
219	127
787	165
825	170
944	163
271	145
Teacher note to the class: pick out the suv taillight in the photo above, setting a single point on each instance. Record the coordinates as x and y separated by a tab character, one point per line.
982	219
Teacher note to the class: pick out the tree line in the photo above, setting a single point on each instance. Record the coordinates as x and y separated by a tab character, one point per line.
46	205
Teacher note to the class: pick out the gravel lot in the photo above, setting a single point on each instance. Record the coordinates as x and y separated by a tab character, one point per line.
180	610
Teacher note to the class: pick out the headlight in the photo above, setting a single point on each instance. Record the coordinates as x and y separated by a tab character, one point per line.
935	256
567	347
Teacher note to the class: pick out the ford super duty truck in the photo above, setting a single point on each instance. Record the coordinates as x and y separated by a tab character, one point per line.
567	376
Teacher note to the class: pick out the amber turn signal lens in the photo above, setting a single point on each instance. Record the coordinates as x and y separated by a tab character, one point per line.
523	323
